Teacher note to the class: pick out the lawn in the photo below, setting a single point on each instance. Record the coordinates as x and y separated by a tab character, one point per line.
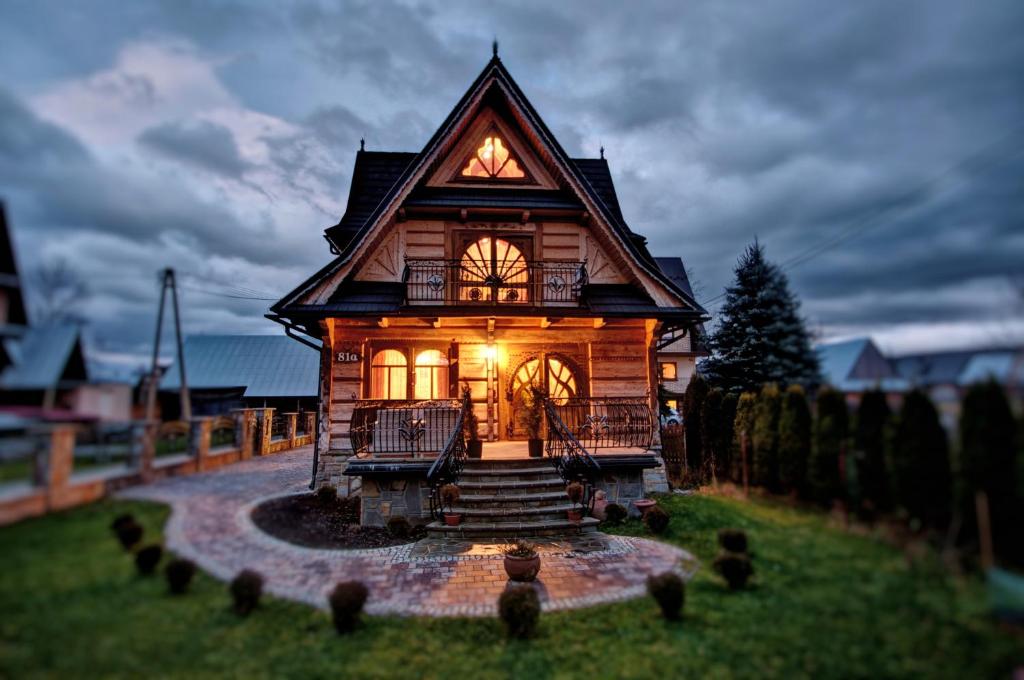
823	604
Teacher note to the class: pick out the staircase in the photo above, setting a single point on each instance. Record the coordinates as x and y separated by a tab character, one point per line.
503	499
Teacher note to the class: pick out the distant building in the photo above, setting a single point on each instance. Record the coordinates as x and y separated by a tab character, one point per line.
677	361
857	365
13	316
226	372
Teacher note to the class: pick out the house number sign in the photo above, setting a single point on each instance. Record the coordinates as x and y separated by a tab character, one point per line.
348	357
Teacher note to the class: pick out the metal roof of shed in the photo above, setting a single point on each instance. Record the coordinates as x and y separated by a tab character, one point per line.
265	365
41	357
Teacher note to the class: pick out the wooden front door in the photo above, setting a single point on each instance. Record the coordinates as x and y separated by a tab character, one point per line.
544	369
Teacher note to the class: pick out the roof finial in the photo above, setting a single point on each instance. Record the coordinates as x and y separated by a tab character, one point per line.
362	144
494	47
602	151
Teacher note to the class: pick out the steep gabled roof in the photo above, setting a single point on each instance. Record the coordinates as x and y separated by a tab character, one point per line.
9	279
599	200
44	357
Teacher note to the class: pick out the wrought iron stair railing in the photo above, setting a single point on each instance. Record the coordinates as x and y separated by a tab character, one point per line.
448	465
570	459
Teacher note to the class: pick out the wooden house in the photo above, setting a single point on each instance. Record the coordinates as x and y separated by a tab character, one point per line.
488	259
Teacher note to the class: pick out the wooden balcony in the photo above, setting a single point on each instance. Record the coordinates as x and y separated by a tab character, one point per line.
528	284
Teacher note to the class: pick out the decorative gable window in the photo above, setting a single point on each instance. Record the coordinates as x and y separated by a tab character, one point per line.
493	160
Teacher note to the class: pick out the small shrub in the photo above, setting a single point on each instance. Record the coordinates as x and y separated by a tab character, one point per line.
735	568
669	591
656	520
519	609
179	574
120	521
129	534
147	558
246	589
399	527
347	600
575	492
614	513
450	495
519	548
327	495
733	540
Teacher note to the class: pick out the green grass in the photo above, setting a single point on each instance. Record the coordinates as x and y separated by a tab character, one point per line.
16	470
823	604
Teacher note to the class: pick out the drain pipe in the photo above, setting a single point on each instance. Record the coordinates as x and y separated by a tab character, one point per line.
290	329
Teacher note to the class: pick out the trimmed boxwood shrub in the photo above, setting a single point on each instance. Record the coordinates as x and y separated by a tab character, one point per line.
733	540
246	589
147	558
179	574
327	495
346	601
614	513
121	520
656	520
669	591
519	609
129	534
399	527
735	568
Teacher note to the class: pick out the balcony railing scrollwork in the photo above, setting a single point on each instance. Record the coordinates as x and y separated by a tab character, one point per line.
449	282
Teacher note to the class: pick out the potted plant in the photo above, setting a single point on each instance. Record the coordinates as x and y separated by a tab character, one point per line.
522	563
450	495
575	493
531	417
474	447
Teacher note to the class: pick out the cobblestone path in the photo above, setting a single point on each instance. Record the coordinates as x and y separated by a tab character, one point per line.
210	524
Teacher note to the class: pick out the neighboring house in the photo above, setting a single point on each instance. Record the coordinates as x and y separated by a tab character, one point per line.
677	360
13	317
226	372
857	365
489	258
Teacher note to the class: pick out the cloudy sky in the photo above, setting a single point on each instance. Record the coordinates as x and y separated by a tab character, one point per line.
875	148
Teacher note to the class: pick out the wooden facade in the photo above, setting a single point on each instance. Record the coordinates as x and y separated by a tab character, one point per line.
489	259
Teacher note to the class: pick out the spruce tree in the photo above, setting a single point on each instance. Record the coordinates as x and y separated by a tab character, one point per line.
711	433
988	462
743	433
693	400
724	463
794	440
873	417
765	467
830	433
761	337
919	460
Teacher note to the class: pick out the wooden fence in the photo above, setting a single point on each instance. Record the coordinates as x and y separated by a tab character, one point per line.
143	453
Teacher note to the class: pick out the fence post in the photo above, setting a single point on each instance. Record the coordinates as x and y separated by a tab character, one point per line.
199	441
143	447
310	425
245	419
291	432
266	422
55	473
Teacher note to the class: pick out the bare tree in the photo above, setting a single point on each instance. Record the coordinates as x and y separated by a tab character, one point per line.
59	291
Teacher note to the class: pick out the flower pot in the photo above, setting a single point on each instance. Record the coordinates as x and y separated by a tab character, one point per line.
475	448
536	447
575	515
522	568
643	505
452	519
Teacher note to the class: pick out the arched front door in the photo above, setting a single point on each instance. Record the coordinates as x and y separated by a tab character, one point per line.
545	369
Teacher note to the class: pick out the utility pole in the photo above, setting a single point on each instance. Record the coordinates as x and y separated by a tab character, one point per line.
167	282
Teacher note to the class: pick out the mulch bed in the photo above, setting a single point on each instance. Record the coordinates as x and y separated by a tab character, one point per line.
313	523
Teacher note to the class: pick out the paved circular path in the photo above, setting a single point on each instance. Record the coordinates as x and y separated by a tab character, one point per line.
210	524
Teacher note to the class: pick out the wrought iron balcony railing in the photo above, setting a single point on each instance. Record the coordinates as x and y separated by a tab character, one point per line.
405	428
451	282
607	422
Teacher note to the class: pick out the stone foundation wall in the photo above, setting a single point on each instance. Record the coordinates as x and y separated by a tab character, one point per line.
331	472
383	498
622	487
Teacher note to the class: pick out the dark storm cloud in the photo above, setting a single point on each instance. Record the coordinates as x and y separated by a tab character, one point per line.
888	126
205	144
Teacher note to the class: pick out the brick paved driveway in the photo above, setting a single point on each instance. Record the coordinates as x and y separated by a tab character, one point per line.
210	524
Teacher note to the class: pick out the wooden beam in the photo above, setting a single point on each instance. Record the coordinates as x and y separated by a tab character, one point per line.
435	322
548	321
383	322
490	325
600	323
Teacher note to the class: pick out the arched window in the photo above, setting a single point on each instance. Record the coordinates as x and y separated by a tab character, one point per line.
494	269
431	375
389	375
493	160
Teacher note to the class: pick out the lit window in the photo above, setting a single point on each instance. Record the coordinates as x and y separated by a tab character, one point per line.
494	269
389	375
431	375
493	160
668	371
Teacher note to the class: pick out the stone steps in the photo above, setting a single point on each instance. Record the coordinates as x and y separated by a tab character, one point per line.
504	487
514	529
518	514
507	464
523	499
